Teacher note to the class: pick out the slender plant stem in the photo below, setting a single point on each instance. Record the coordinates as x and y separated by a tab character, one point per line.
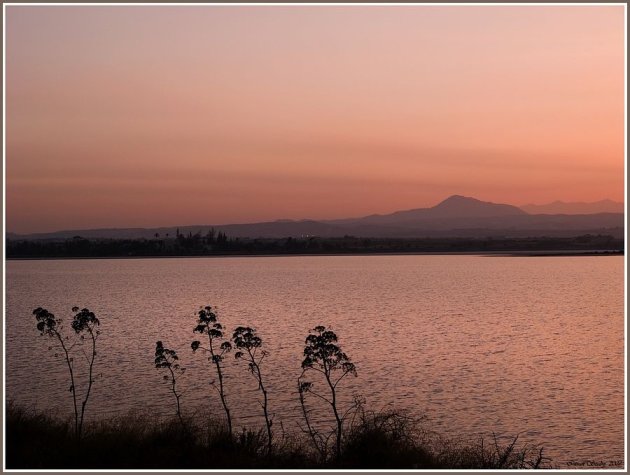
311	430
333	403
261	386
217	363
90	380
177	396
77	430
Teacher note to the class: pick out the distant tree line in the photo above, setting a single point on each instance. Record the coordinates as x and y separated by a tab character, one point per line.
218	243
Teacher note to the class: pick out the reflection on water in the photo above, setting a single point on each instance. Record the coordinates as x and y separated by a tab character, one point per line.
477	344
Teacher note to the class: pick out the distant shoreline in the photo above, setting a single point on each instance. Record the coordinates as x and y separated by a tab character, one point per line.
224	246
567	253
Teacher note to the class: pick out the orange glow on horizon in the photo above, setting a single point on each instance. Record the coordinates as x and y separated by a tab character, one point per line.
160	116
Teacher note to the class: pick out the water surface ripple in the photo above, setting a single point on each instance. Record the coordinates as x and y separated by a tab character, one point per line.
530	345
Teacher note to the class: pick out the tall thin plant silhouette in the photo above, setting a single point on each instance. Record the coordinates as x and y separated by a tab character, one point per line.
323	355
249	345
208	325
84	323
167	358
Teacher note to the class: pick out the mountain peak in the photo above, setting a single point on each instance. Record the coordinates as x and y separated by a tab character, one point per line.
458	199
465	206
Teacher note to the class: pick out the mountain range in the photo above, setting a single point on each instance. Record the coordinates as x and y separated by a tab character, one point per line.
561	207
457	216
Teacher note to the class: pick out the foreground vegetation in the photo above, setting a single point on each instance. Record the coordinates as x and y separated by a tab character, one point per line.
385	440
358	439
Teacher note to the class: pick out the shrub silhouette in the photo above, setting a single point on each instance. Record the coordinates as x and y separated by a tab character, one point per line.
38	441
386	439
207	324
459	455
84	322
324	356
167	358
248	343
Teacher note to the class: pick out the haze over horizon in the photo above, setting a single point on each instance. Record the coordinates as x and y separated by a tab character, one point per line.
453	215
156	116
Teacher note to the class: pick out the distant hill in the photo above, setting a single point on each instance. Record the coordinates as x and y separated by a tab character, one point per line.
561	207
457	216
454	207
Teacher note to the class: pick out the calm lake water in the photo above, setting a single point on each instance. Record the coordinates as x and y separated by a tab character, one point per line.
530	345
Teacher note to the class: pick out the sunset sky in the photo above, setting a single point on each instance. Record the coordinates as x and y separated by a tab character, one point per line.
157	116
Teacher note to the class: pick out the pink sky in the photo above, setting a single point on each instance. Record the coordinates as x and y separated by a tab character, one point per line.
156	116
